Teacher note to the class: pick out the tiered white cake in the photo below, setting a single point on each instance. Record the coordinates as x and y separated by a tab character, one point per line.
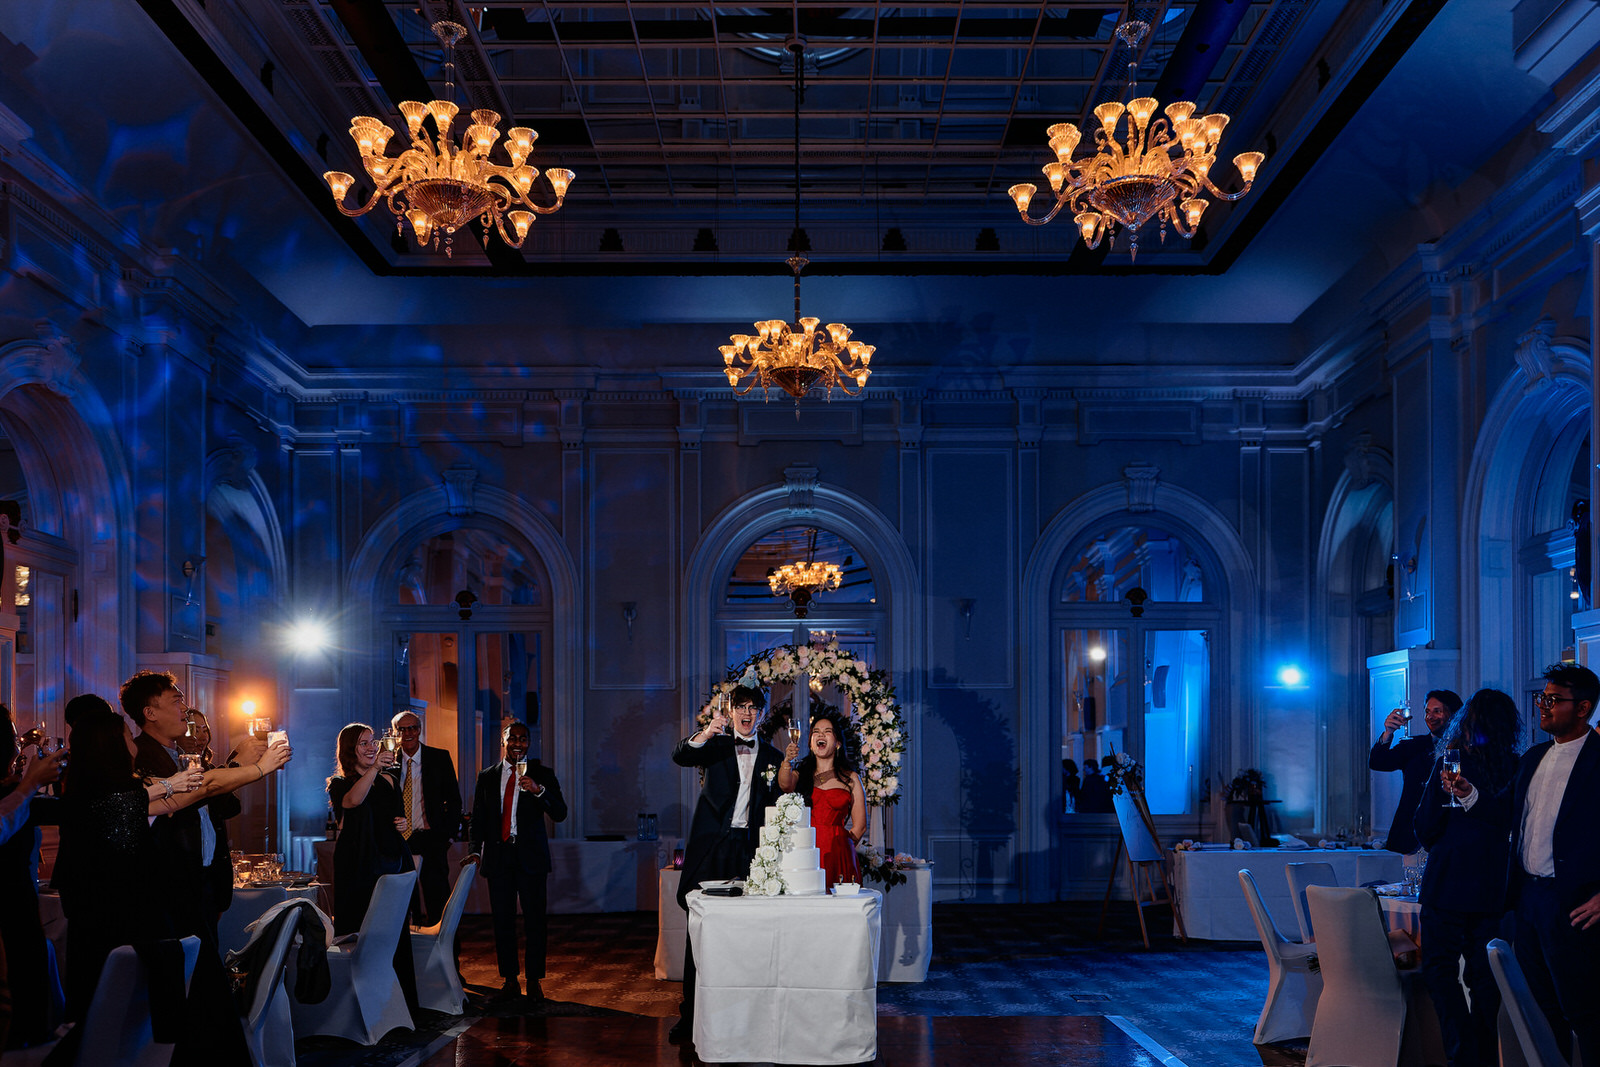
800	860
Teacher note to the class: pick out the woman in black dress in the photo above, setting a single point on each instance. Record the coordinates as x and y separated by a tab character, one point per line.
366	803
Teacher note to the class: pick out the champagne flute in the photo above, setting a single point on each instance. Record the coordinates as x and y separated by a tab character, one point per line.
1405	712
1452	763
522	769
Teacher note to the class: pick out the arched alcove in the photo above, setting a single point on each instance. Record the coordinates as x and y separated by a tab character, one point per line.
802	500
1230	736
379	571
1514	507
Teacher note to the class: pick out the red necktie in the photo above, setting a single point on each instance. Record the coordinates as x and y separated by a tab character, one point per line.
506	809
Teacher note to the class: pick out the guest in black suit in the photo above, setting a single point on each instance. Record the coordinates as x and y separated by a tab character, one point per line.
736	789
515	853
430	797
1414	757
1463	886
1554	873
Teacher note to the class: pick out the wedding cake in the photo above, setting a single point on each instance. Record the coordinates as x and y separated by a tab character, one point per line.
788	860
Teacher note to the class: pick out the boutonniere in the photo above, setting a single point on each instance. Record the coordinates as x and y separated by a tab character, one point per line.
768	774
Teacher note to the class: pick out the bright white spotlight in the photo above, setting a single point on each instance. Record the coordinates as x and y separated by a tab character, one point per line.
1289	674
308	635
1097	654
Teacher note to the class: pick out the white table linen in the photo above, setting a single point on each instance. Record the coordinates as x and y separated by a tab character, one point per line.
1214	908
786	979
672	922
907	945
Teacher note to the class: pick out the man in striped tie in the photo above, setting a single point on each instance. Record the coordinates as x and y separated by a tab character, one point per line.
431	797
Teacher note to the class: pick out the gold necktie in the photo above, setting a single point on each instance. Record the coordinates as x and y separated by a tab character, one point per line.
406	793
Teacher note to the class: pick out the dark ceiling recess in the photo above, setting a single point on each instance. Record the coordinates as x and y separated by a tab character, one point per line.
1201	44
825	24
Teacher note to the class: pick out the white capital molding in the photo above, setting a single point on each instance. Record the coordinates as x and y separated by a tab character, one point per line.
801	485
1535	356
460	486
1141	480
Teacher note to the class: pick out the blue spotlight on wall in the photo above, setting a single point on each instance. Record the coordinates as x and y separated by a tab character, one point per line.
1291	676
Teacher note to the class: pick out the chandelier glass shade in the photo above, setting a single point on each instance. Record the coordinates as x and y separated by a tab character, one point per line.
438	185
797	357
1144	166
802	580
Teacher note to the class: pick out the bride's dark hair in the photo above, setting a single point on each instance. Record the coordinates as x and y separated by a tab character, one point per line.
844	759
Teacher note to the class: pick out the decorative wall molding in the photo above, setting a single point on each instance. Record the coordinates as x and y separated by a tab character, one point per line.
1534	355
801	485
1140	480
460	485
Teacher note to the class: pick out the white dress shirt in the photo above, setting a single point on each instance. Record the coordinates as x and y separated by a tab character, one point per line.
746	756
508	771
1543	804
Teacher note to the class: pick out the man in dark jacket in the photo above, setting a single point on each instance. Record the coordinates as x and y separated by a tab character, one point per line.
1414	757
727	819
508	833
1553	878
431	796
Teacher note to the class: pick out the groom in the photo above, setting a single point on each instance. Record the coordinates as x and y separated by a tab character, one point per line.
727	820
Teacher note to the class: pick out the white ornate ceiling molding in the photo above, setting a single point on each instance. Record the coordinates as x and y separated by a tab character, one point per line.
460	490
801	485
1141	480
1535	356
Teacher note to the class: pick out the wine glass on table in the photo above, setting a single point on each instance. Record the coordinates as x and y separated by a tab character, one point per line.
1452	763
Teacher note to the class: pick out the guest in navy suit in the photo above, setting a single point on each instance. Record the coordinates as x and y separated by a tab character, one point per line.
515	853
733	803
1413	757
1554	873
1463	886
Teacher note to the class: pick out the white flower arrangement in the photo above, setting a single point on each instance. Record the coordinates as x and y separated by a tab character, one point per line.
766	872
875	717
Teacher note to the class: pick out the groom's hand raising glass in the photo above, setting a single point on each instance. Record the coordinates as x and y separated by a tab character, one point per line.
717	725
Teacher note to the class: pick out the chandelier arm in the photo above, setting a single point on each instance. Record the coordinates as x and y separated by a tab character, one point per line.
1176	219
1054	211
500	224
363	209
1205	180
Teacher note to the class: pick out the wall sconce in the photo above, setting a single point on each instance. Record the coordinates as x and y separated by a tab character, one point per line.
464	601
965	606
1136	598
1407	581
630	611
191	567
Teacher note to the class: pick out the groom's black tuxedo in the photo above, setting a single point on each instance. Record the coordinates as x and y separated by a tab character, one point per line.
717	849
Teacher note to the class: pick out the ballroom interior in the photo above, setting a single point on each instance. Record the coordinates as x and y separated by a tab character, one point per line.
1219	504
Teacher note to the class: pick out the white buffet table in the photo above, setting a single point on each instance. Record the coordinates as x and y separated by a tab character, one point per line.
786	979
1213	905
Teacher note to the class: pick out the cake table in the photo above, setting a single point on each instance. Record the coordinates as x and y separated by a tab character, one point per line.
786	979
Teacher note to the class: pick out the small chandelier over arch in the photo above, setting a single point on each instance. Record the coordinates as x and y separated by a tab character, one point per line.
802	580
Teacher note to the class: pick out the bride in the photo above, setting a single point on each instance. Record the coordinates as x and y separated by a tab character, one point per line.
831	784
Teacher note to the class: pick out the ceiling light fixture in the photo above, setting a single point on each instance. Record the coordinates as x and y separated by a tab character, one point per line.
802	580
440	187
1155	169
795	357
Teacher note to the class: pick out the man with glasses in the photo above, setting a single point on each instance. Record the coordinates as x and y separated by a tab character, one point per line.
1554	878
431	797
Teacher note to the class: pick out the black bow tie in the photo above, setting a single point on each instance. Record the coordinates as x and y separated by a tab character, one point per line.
743	742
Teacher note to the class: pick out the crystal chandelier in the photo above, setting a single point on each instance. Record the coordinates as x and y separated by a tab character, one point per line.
795	356
802	580
438	186
1155	168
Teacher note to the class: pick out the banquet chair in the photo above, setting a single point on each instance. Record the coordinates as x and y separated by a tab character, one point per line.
116	1026
1292	986
249	904
268	1024
1366	1012
366	1001
1301	875
433	949
1537	1042
1372	870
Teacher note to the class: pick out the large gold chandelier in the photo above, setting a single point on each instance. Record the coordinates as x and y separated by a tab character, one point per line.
1154	169
802	580
795	357
438	186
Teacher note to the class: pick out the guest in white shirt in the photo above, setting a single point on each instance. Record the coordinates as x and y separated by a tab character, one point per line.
1554	877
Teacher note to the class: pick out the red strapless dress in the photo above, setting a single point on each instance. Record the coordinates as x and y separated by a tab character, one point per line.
830	808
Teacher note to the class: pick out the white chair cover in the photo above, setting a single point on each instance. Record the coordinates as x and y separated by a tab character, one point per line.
249	904
1292	987
269	1025
1538	1044
1361	1018
1301	875
1372	870
433	949
365	1002
116	1025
